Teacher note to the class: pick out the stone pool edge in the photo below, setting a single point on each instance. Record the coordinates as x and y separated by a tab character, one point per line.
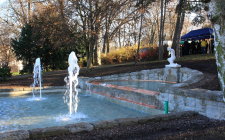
85	127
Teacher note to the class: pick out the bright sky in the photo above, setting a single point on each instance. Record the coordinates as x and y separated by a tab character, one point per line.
2	1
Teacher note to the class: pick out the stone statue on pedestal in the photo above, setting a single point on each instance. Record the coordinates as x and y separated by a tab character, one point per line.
172	58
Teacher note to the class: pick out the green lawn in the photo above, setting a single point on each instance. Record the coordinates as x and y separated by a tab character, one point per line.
183	58
15	73
196	57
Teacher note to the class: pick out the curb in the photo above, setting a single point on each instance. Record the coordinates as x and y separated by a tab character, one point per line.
83	127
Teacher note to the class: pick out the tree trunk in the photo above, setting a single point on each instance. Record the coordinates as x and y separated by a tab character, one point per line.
91	37
152	37
95	54
104	45
97	50
179	26
139	36
106	37
217	13
29	11
129	35
161	31
107	44
119	38
124	36
163	23
90	54
179	32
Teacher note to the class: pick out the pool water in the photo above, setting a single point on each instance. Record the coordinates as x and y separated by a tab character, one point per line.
148	85
21	113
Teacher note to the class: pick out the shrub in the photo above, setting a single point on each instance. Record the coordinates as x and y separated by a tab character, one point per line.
125	54
5	73
153	55
106	59
148	53
83	62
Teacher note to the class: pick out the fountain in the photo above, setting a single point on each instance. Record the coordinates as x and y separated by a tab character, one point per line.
71	94
37	78
127	95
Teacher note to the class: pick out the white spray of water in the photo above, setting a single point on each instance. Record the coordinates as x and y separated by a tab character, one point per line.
71	94
37	77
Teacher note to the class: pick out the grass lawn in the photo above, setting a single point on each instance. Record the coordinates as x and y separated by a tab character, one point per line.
181	59
196	57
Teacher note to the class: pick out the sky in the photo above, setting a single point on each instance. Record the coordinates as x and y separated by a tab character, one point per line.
2	4
2	1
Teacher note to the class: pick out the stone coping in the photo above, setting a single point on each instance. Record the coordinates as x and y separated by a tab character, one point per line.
28	90
186	74
84	127
197	93
185	77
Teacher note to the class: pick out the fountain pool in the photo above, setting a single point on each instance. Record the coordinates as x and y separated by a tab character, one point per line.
154	85
153	88
20	113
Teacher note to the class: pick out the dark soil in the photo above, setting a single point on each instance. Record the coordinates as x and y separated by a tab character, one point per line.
188	127
55	78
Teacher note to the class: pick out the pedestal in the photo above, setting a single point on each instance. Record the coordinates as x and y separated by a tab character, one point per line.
173	65
172	74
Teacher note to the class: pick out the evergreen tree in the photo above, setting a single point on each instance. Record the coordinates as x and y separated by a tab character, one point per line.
25	48
35	41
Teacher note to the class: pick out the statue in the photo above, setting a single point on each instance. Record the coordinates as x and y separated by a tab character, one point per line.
172	58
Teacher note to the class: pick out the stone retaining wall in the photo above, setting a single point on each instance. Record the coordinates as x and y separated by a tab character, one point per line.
180	99
28	90
185	77
75	129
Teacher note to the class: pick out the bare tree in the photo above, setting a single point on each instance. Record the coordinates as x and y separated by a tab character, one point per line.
179	25
163	6
7	56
